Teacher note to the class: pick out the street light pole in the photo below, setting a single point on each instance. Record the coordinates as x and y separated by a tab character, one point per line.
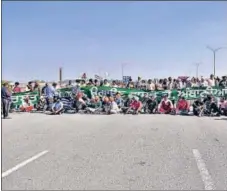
214	55
197	69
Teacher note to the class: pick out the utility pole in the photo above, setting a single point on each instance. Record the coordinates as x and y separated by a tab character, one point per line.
197	69
60	75
214	55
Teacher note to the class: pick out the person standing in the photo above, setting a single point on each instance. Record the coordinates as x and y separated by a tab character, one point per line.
16	88
211	81
170	84
223	82
29	87
37	88
6	100
50	92
150	85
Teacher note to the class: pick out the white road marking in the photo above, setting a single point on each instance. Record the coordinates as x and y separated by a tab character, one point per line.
207	180
8	172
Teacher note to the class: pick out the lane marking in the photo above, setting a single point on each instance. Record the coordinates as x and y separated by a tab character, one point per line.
204	173
8	172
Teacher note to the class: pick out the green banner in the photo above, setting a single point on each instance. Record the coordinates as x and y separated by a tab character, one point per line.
188	93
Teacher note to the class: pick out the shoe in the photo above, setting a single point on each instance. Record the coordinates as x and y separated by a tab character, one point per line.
7	118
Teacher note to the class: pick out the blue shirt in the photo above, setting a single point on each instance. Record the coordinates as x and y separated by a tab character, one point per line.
119	101
50	91
5	93
58	105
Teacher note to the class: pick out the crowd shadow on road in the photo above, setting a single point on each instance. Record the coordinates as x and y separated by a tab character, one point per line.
221	119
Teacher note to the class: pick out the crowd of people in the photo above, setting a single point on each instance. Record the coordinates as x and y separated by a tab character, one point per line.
158	84
51	102
114	104
155	84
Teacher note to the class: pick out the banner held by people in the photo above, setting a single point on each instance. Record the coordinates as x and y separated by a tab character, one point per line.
91	91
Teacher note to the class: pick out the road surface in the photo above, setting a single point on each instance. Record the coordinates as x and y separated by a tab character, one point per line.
121	152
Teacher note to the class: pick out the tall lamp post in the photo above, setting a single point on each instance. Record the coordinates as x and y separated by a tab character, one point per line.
214	55
197	69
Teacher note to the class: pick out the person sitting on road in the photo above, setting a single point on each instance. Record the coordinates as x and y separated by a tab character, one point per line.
198	106
41	103
113	106
126	104
79	102
106	105
119	100
94	104
57	107
211	106
26	106
152	104
165	106
135	106
223	106
145	98
182	107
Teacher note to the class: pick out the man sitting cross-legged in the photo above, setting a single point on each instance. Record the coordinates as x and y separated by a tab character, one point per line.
94	105
57	107
26	106
114	109
182	107
135	106
165	106
198	107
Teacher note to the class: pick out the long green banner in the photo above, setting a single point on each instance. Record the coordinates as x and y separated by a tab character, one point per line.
188	93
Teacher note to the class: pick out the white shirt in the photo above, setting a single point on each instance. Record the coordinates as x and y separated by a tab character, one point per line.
115	86
114	106
106	85
204	83
151	86
211	82
170	85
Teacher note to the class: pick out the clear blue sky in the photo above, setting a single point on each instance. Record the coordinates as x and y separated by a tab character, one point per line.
156	39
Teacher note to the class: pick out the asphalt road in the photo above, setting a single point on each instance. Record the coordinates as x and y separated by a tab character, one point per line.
41	152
